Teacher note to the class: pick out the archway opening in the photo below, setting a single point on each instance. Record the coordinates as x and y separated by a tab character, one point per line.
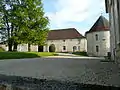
74	48
52	48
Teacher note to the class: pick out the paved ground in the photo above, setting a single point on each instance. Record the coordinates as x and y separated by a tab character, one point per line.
66	69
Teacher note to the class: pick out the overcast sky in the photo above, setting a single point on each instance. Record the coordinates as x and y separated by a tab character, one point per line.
79	14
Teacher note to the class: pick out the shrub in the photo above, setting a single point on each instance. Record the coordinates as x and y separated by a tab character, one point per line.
80	53
52	48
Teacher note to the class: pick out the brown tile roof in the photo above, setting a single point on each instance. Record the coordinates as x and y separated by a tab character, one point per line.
101	24
70	33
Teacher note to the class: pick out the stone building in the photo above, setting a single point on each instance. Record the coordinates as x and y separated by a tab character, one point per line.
66	40
113	8
98	38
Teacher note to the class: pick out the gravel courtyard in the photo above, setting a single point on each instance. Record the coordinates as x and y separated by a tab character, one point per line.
65	69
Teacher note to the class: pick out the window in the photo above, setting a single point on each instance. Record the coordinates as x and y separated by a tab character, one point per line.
97	48
64	47
79	48
79	40
63	40
96	36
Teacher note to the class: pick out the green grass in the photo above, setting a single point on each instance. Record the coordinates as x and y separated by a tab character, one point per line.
80	53
41	54
19	55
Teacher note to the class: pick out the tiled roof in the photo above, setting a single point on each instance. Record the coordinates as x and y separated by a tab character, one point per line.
101	24
70	33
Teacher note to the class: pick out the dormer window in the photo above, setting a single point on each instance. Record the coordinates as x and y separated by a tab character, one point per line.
96	37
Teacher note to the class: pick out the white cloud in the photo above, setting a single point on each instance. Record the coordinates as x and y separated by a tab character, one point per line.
74	11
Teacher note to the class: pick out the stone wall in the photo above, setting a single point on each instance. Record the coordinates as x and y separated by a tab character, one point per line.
103	43
80	44
22	47
4	47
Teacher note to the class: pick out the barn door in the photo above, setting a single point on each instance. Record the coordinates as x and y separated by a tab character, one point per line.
40	48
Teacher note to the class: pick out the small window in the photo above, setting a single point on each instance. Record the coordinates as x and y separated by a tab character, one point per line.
97	48
64	47
63	40
96	36
79	41
79	48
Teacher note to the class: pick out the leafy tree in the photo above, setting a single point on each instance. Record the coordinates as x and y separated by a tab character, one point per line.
2	29
5	28
35	24
26	22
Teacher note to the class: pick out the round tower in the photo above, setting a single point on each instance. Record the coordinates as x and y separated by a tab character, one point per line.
98	38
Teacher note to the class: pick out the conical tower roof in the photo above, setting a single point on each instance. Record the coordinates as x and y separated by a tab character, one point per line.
101	24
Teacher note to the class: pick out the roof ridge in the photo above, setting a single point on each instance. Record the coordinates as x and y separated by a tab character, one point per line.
69	33
101	24
64	29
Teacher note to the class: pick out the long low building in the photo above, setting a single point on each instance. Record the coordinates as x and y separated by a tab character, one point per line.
64	40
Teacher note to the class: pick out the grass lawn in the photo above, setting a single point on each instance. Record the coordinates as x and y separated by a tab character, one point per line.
18	55
80	53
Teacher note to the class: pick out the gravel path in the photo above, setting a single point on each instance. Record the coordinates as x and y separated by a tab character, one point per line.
75	70
27	83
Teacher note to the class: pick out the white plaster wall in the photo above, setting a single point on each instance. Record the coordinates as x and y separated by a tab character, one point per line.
90	44
34	48
69	43
115	29
4	47
22	48
103	42
112	32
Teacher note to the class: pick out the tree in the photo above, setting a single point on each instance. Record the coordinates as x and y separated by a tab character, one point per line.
27	23
36	23
2	28
7	30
